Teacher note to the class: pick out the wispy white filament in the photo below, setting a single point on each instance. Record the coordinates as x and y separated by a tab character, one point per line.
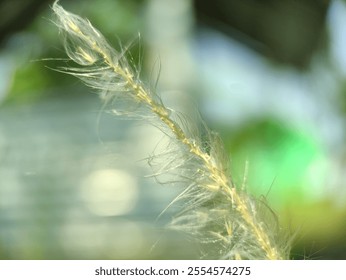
227	220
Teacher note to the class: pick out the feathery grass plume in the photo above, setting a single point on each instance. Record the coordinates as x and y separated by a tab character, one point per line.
231	223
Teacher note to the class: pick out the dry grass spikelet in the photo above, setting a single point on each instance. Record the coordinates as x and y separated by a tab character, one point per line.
231	223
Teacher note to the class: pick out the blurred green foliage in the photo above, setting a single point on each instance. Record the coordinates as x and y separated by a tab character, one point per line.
278	157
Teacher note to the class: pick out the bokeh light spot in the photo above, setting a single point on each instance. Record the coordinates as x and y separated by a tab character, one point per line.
110	192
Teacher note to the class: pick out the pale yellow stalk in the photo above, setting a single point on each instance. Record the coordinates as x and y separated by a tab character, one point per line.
89	48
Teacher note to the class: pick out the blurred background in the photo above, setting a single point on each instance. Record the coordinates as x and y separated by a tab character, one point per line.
269	76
